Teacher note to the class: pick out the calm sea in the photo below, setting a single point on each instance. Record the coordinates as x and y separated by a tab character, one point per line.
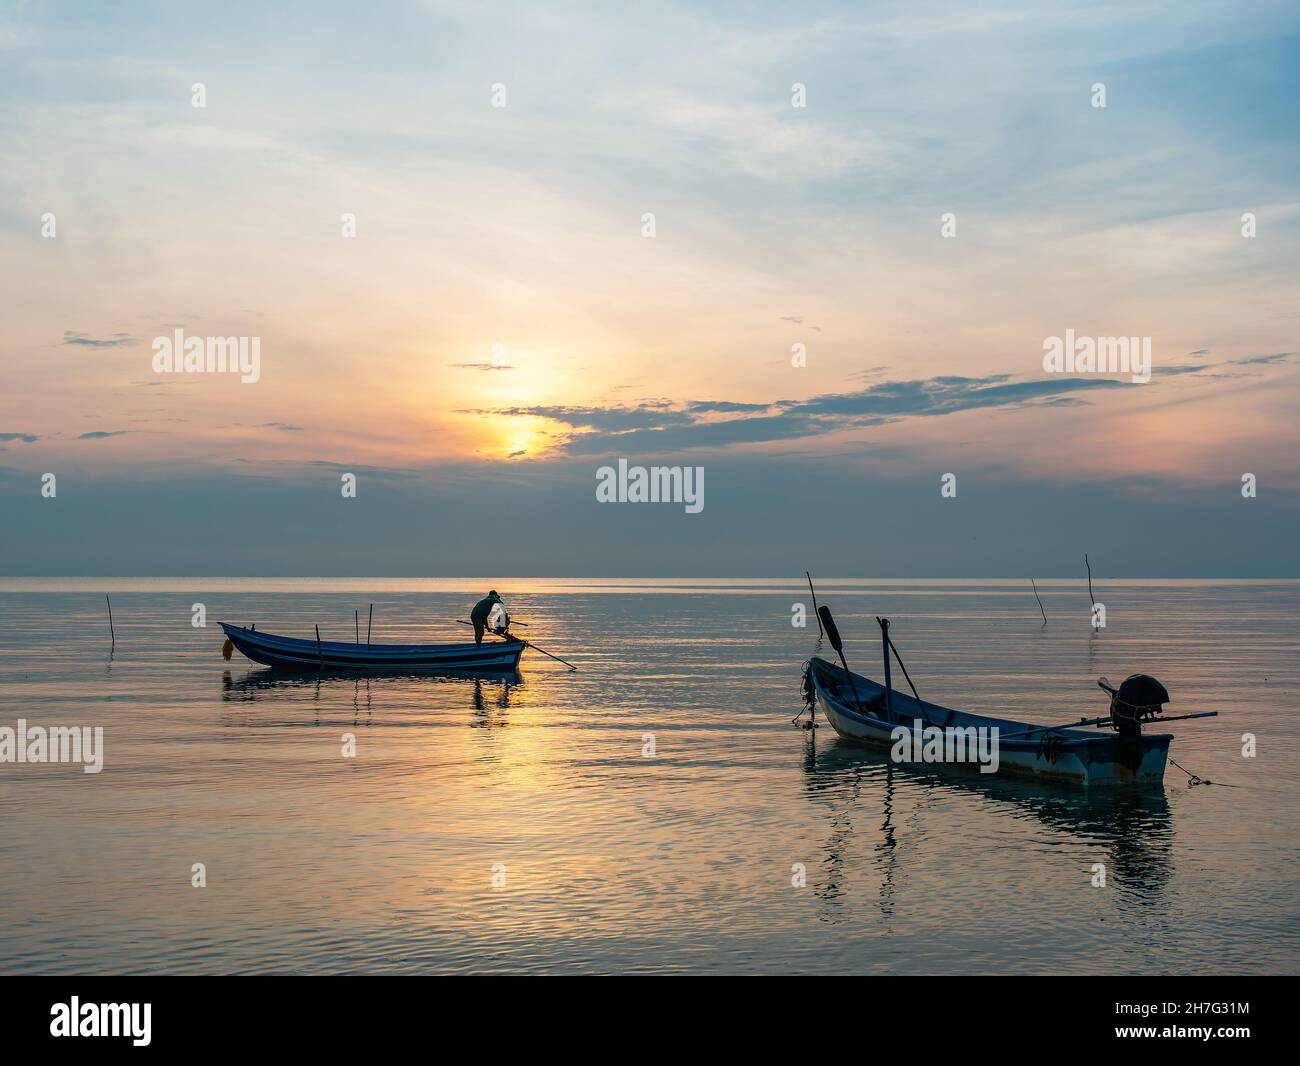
606	859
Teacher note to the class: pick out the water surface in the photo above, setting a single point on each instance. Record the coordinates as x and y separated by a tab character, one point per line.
614	861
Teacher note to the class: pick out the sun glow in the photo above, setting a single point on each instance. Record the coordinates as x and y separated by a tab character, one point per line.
520	437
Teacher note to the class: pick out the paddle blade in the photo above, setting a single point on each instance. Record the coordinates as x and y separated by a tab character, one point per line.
828	624
227	649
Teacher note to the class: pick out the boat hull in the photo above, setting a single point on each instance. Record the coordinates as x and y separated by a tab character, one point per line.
1067	756
290	653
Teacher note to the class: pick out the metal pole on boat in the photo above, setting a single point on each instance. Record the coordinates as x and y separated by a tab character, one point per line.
370	619
884	646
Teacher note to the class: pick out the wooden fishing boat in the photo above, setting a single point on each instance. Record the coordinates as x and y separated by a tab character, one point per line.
294	654
1074	756
918	732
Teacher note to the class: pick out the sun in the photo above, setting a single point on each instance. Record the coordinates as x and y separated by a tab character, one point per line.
522	437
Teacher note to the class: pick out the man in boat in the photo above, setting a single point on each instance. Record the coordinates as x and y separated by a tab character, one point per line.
482	612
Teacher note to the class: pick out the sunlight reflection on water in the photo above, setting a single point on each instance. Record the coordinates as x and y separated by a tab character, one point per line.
615	862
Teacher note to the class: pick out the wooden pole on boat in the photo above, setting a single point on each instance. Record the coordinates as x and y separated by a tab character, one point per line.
1040	602
369	619
112	635
833	633
356	624
821	631
910	684
884	641
319	654
1091	598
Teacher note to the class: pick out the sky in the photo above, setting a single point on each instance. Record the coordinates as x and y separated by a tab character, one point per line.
833	305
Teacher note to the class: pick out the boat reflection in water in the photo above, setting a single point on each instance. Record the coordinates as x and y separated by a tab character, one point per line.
909	809
489	691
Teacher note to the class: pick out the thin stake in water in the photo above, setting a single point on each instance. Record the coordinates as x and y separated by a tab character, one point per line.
111	634
1040	602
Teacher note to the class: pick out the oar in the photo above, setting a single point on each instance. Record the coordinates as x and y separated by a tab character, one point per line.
530	644
833	633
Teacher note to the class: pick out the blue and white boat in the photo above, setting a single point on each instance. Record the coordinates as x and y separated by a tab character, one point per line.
1071	756
294	654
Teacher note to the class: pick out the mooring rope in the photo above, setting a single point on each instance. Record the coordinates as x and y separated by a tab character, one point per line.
1195	780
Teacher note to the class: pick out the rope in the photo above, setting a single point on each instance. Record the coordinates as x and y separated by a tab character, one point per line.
809	694
1194	779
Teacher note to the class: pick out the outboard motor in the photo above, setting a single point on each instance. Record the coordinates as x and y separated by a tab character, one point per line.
1139	696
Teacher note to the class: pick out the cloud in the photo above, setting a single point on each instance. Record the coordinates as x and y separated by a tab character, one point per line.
26	438
798	321
1261	360
117	340
674	428
1275	359
612	420
283	427
1181	368
730	406
480	366
378	472
101	434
